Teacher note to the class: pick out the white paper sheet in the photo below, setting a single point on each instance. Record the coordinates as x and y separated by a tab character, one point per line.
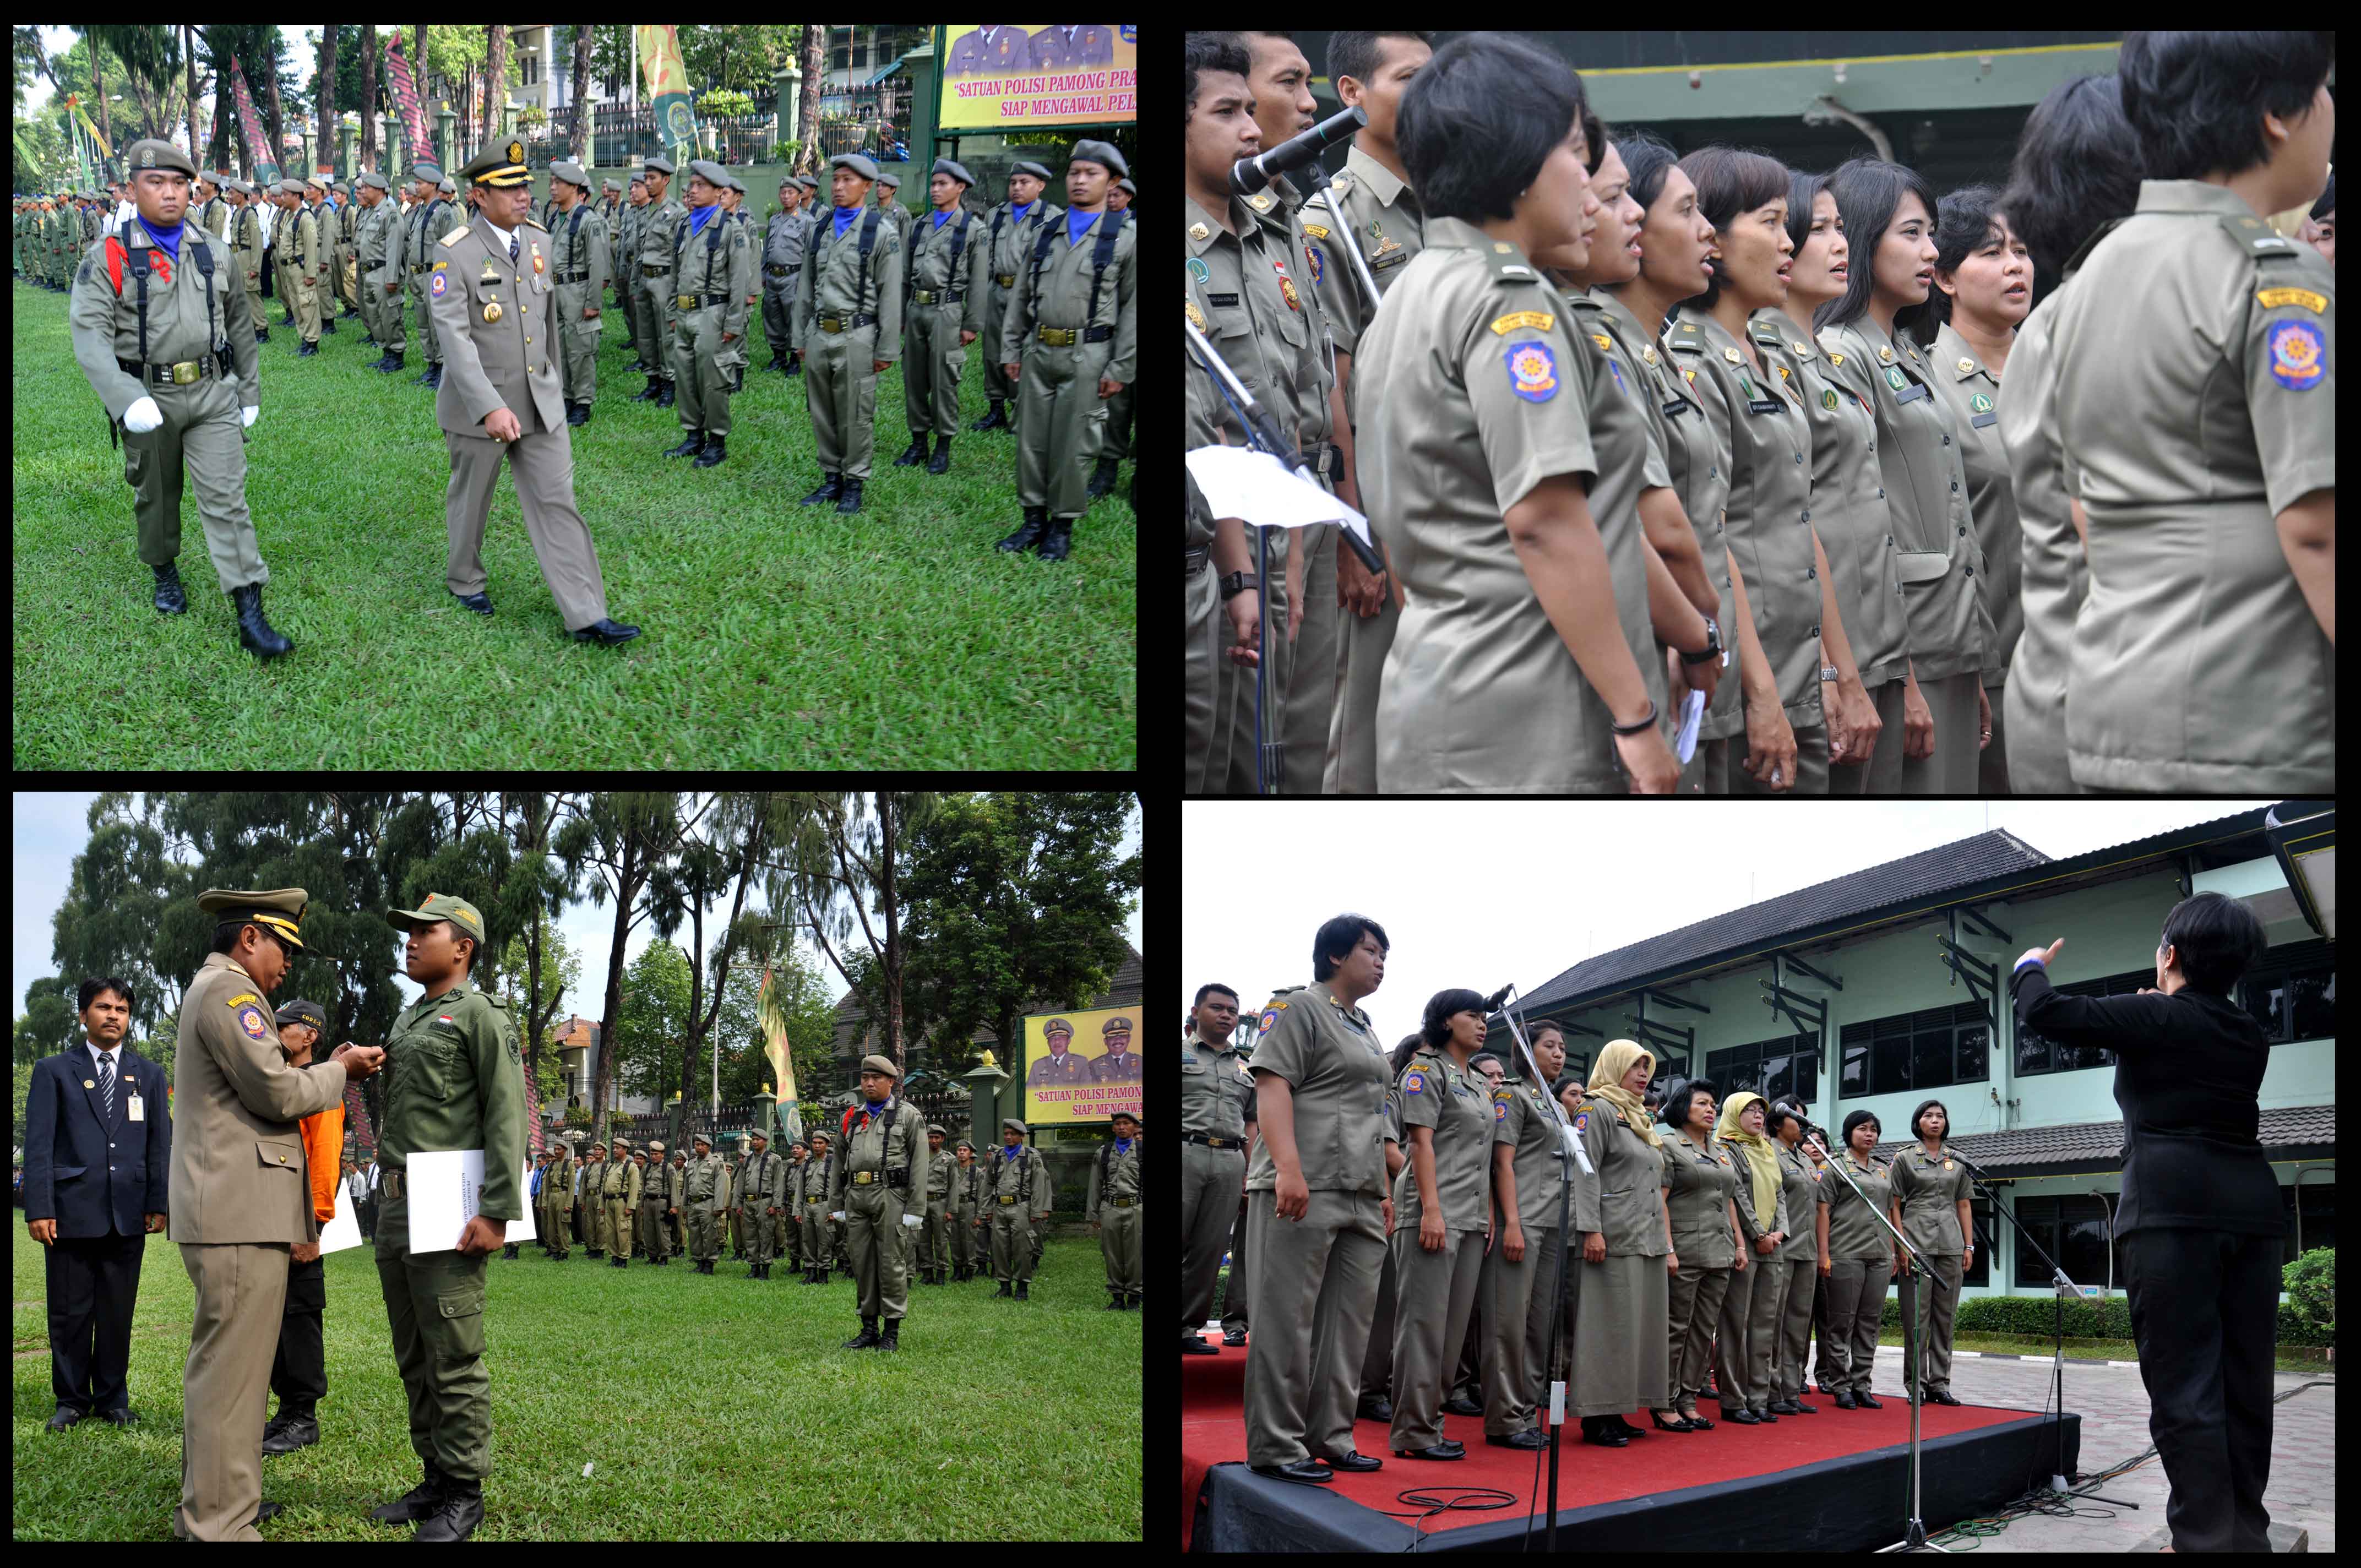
1692	712
445	1186
1240	482
344	1231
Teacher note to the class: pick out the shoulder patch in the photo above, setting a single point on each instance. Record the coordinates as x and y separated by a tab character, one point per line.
1606	344
1270	1018
1581	1120
1500	1107
2299	355
1532	371
1540	321
2272	299
2256	239
1317	231
1414	1081
242	998
1765	333
249	1018
453	237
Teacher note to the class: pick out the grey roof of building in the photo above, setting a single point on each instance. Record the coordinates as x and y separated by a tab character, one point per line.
2082	1147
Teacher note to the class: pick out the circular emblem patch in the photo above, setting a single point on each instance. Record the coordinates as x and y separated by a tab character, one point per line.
250	1020
1200	271
1270	1017
1414	1082
1533	372
436	287
2299	355
1896	379
1499	1109
1980	404
1829	398
1581	1120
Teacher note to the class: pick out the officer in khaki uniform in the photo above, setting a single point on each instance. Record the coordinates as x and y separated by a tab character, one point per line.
303	262
627	264
934	1236
618	1193
709	1192
652	285
783	264
431	221
455	1081
327	216
556	1236
1015	1195
965	1217
887	194
659	1200
377	229
1217	1101
759	1189
1618	1300
1435	1288
786	1225
161	328
1518	1293
1929	1192
947	291
589	1206
1971	389
246	243
812	1204
2196	405
676	1222
495	315
850	305
1803	1197
877	1185
736	1185
579	263
1111	1207
240	1189
713	270
211	209
1008	235
1863	1258
1070	318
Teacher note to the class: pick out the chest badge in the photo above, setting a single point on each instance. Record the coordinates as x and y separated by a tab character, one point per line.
1884	355
1980	404
1286	285
1647	356
491	311
537	263
1199	231
1895	379
1828	399
1947	1165
1196	316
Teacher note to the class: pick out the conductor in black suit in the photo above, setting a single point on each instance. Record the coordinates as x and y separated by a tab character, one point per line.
2200	1223
98	1150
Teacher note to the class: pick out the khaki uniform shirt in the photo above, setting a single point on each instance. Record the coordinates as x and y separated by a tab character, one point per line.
1698	1188
1467	396
310	255
720	260
2196	400
455	1079
2056	573
1021	1185
1625	1203
1853	1230
1629	462
762	1181
1926	496
1456	1104
1059	296
1121	1180
1327	1051
657	220
1277	210
894	1156
1524	1118
1848	500
1009	241
180	326
811	1178
1802	1195
578	244
1217	1093
245	231
1972	392
831	279
621	1180
1929	1187
1237	301
933	269
509	362
215	216
372	243
428	226
1761	421
1387	224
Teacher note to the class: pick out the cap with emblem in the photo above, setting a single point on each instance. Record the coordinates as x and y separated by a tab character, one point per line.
1008	1122
341	189
151	152
856	163
293	187
500	165
1057	1026
954	168
280	911
934	1129
377	179
963	1143
759	1134
1115	1026
301	1012
1038	171
1125	1116
638	179
1128	186
818	1135
315	180
573	174
1098	152
447	187
440	906
430	172
619	1141
662	166
656	1146
880	1064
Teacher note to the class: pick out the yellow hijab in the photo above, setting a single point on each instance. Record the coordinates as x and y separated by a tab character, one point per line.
1756	1148
1615	1058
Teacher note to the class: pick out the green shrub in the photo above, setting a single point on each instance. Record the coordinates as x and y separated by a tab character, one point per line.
2308	1314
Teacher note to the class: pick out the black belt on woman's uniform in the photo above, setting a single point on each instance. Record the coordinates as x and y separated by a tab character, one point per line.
1195	557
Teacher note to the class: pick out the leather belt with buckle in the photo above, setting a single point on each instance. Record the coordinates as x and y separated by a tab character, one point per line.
655	271
698	301
418	267
863	1177
1058	337
844	323
1200	1137
1008	1200
783	271
183	373
571	278
1123	1202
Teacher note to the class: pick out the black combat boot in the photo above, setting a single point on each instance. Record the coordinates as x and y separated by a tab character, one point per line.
795	366
850	502
1102	478
594	1252
831	486
940	463
434	374
778	362
993	419
1058	541
665	398
510	1250
578	413
823	1276
914	454
866	1339
308	351
1021	1292
1037	523
457	1513
1115	1301
622	1261
690	446
715	452
254	633
328	324
651	391
1004	1290
170	597
892	1340
392	361
415	1504
262	334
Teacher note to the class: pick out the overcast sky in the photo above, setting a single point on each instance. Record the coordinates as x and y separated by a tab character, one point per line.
52	830
1482	894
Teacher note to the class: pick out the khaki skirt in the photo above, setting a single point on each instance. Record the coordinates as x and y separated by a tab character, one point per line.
1620	1315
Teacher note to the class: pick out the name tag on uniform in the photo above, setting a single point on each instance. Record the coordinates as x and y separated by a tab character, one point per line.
1982	419
135	1109
1765	406
1229	299
1914	390
1678	407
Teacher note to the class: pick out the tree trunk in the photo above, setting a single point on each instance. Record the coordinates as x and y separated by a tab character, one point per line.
327	154
496	76
368	96
583	149
814	63
98	91
197	151
887	805
627	877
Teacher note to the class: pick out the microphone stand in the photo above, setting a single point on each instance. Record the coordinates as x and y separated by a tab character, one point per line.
1914	1535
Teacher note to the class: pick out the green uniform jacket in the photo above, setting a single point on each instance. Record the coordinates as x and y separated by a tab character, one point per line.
940	1166
812	1177
872	1145
1120	1178
653	244
764	1180
375	238
621	1180
557	1186
1059	296
455	1079
717	261
1024	1182
310	257
830	282
107	325
578	244
931	269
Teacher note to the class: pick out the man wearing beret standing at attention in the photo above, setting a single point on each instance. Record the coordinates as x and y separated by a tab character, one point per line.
947	279
879	1190
579	263
852	311
240	1196
494	313
456	1082
653	295
432	218
1009	241
713	269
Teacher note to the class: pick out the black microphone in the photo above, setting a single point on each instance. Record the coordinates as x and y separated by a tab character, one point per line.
1251	174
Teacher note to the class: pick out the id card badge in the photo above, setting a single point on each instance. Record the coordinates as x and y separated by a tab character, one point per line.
135	1108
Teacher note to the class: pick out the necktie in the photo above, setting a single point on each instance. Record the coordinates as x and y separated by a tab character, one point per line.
512	250
106	1083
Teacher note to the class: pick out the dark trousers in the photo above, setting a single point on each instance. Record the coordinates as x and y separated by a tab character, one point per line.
366	1212
1820	1325
1234	1299
93	1281
2204	1314
299	1373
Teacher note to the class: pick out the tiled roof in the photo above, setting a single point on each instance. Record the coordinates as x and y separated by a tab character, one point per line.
2028	1151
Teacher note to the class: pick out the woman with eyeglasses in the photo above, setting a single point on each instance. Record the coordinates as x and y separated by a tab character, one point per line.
1791	1288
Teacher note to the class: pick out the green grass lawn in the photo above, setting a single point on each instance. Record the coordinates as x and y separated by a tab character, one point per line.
717	1408
774	635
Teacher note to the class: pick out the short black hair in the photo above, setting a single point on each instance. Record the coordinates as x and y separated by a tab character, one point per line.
2197	99
90	990
1868	190
1202	990
2213	938
1646	158
1803	189
1566	1082
1774	1116
1337	939
1358	56
1477	125
1731	180
1855	1119
2326	207
1434	1028
1677	1099
1964	220
2077	169
1925	1106
1209	52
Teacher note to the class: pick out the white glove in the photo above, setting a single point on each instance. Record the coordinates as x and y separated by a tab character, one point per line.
142	416
248	414
838	1215
914	1221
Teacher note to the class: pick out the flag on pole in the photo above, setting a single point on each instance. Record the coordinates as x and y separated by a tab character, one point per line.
771	1009
668	95
405	98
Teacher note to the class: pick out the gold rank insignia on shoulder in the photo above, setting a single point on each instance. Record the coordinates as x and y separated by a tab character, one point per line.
1260	201
1604	345
1836	358
1803	348
1199	231
1648	355
1966	365
2272	299
454	237
1884	355
1196	316
1733	357
1317	231
1540	321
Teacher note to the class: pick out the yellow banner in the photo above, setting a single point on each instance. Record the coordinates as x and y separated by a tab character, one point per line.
1081	1067
1004	79
89	129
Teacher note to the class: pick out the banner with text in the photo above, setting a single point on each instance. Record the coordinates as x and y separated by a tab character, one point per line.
1078	1067
413	111
1004	79
668	95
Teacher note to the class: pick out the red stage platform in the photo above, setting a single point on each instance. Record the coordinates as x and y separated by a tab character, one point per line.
1974	1458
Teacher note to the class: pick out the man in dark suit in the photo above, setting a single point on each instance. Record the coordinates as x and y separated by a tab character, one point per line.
98	1152
2199	1223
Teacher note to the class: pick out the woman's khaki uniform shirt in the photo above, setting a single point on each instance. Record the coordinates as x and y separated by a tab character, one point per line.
1458	1105
1854	1230
1623	1204
2056	574
1971	392
1698	1192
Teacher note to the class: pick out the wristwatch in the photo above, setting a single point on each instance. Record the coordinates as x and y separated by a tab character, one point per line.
1712	649
1237	583
1827	671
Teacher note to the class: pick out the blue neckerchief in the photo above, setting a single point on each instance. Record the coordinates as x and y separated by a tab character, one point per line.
700	216
844	217
1122	1145
168	239
1008	1152
1017	213
941	218
1076	222
874	1107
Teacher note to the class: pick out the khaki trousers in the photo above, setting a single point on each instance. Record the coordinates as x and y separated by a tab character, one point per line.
1352	760
1201	623
425	317
579	339
1210	1181
1952	769
1735	1365
1119	1243
1318	1278
544	460
241	1294
1312	685
932	360
1941	1303
1434	1292
618	1228
201	444
1378	1361
1518	1299
702	382
1763	1318
841	396
881	1275
383	311
1694	1306
652	313
1882	773
1237	703
779	311
1794	1328
1856	1302
655	1235
1237	1296
1058	413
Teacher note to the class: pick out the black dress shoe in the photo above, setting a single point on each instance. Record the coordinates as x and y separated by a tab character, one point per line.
1373	1410
850	502
912	454
1679	1423
1529	1437
298	1432
1862	1398
170	598
1844	1400
607	632
714	453
1696	1422
265	1512
940	463
1626	1426
1301	1470
1741	1417
1194	1345
1766	1416
1037	523
1440	1451
1797	1407
831	486
457	1513
1942	1397
1781	1407
308	351
64	1418
329	326
1462	1407
690	446
481	603
1353	1461
578	413
262	334
1233	1338
1595	1431
254	633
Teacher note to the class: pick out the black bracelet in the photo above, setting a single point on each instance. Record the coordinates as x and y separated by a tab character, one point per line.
1237	583
1638	728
